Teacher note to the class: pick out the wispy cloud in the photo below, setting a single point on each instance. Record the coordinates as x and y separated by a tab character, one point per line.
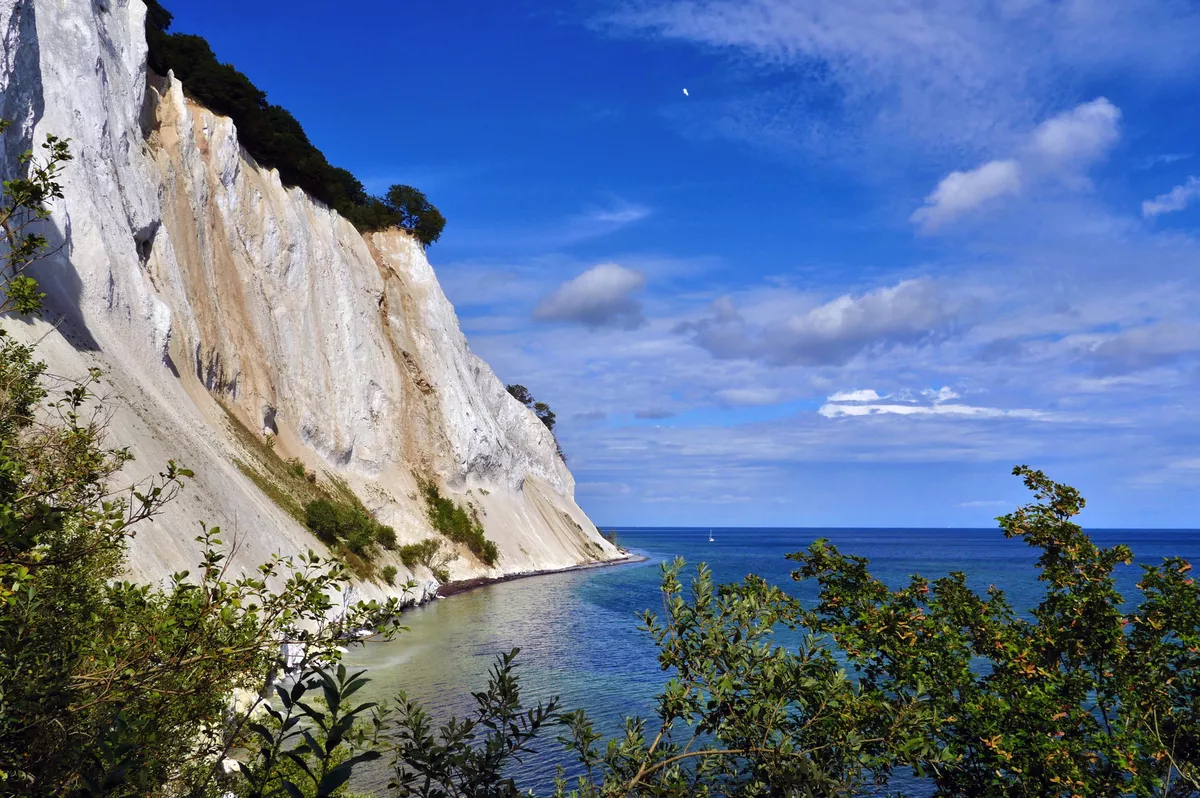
1164	158
601	221
1139	348
617	215
965	77
748	397
557	233
1176	199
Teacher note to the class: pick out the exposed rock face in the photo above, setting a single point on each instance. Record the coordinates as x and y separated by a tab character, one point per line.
191	276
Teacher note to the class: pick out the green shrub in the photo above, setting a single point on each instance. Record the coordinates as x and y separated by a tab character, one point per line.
385	536
360	539
295	467
454	522
335	521
489	551
431	553
323	518
389	574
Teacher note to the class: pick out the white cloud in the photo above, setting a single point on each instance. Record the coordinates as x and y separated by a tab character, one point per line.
602	296
832	333
1060	148
1176	199
1077	137
961	192
943	394
870	403
831	410
861	395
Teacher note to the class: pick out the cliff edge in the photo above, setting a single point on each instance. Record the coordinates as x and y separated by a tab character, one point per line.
237	319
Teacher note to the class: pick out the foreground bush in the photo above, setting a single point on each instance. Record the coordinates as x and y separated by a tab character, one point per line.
107	687
1090	695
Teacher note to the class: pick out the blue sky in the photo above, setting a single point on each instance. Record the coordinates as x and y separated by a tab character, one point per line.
882	252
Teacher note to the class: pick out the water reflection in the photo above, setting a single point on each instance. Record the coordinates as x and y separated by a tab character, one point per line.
571	647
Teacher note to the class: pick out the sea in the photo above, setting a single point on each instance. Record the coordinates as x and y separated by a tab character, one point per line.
578	631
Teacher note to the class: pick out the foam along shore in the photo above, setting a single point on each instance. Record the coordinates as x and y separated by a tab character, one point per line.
455	587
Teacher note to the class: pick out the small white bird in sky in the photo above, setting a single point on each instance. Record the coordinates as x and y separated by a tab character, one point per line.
685	93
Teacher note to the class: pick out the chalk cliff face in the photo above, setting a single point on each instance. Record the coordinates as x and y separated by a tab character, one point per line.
208	292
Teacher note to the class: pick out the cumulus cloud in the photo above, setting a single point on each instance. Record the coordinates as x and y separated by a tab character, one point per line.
600	297
654	414
961	192
1077	137
943	394
830	334
1061	148
1176	199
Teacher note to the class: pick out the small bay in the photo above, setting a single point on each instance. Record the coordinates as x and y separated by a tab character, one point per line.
578	633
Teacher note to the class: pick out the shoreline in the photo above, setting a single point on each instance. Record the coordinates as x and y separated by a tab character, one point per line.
464	585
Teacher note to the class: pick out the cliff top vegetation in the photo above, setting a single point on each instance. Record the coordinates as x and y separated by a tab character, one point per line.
276	139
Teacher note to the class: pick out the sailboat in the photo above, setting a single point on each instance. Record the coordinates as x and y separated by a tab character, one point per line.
710	537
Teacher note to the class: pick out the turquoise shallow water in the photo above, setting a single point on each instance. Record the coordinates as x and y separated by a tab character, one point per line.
578	632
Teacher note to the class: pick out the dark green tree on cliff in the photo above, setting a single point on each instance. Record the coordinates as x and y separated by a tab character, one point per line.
275	138
540	409
415	213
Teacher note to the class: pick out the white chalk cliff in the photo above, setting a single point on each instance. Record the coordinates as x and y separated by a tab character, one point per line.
193	278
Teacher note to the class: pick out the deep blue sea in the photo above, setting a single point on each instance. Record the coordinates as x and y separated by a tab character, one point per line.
578	631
